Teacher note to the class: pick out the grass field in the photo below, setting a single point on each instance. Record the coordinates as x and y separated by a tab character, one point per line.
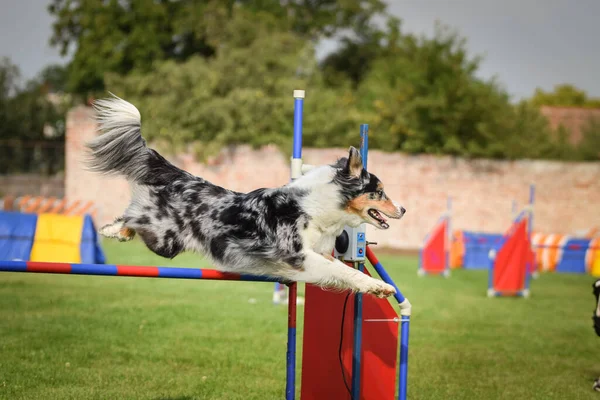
79	337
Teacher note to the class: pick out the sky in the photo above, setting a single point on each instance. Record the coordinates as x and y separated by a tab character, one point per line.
526	44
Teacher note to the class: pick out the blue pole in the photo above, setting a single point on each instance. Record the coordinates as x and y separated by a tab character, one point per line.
298	108
404	324
296	167
364	143
358	299
356	349
403	378
384	275
296	172
290	387
449	233
531	201
529	229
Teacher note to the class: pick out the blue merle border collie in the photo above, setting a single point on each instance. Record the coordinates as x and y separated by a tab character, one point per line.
287	232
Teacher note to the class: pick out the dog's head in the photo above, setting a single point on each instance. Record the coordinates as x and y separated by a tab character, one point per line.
363	193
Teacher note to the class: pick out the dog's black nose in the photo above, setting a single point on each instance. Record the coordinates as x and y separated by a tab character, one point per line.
402	210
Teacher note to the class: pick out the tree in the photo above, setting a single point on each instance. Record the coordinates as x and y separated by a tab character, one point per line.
564	95
428	100
589	147
9	78
213	73
123	36
54	78
420	95
26	118
119	36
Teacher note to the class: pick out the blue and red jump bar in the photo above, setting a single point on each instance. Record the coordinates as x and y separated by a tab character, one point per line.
128	270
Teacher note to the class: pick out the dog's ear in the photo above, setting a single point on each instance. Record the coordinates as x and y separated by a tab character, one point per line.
354	165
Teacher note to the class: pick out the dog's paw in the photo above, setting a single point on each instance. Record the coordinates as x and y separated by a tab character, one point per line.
380	289
596	386
117	231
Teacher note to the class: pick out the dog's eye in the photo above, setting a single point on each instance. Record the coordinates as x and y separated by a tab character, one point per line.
380	193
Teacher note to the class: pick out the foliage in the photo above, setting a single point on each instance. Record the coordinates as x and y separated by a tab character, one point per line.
242	95
564	95
208	74
31	125
129	35
589	147
54	78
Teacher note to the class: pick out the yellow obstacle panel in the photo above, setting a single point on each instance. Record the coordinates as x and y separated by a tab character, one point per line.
594	259
57	238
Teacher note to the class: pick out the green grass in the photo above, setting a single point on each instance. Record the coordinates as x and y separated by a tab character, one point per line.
79	337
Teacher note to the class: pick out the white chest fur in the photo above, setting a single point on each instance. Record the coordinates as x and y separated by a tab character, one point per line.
320	240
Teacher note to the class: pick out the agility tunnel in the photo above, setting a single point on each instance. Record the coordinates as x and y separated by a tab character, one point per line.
364	367
567	254
49	238
472	250
512	267
577	253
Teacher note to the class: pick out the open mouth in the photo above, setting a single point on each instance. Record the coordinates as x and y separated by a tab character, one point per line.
376	215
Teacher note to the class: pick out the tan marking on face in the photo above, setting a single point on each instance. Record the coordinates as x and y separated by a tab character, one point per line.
387	206
362	203
359	204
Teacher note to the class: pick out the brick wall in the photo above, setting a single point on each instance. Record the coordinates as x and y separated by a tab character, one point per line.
32	184
567	194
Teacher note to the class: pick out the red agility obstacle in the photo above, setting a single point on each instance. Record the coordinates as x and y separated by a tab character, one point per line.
511	270
328	339
434	256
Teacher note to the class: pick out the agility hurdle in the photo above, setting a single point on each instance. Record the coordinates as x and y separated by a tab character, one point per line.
434	256
511	270
359	389
471	249
370	360
128	270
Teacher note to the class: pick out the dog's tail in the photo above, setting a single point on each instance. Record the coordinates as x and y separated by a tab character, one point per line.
121	150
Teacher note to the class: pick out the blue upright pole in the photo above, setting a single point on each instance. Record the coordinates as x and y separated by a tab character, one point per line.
531	201
364	143
296	172
298	108
405	311
356	350
529	230
403	378
358	299
296	168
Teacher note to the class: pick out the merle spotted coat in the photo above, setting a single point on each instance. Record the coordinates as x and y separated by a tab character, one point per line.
287	232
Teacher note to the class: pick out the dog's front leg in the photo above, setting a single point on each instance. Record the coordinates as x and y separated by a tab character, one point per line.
117	230
328	272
